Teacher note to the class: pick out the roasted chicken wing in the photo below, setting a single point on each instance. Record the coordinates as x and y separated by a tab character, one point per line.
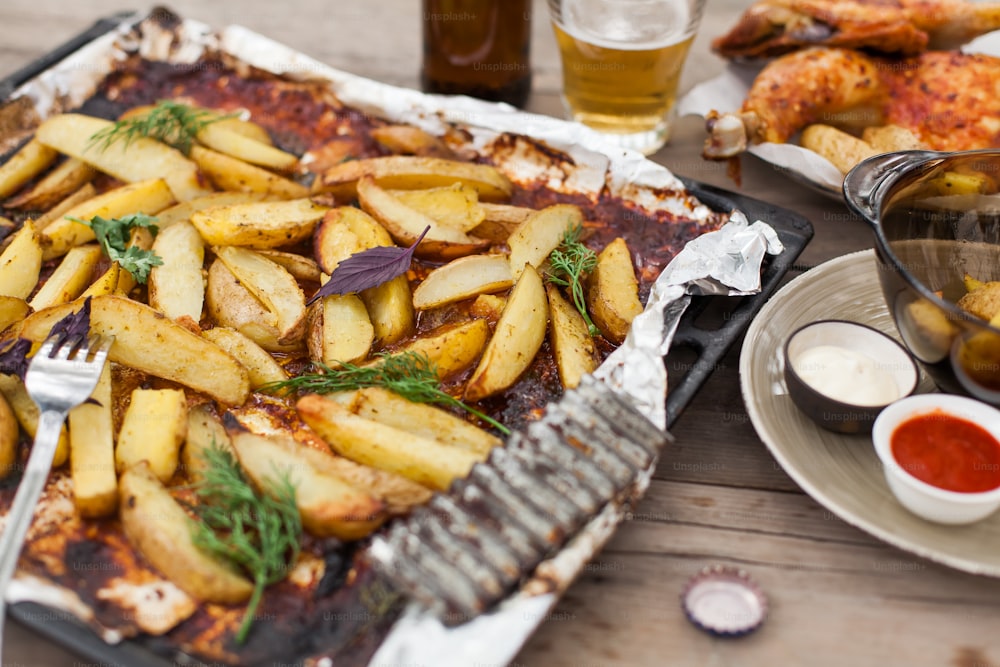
904	27
950	100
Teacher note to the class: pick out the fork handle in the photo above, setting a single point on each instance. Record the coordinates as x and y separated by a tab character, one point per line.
26	499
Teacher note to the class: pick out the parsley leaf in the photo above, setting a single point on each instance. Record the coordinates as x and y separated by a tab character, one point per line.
114	234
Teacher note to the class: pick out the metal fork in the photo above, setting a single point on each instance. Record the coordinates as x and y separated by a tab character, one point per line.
61	375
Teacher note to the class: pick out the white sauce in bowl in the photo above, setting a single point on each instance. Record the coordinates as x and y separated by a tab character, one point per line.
846	375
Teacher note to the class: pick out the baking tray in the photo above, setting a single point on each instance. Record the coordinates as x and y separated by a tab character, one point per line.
710	327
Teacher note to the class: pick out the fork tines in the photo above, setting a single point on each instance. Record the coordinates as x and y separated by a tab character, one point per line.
466	550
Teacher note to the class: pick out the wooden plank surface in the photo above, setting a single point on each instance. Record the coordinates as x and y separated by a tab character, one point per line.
837	596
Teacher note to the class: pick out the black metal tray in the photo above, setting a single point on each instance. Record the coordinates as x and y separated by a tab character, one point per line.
707	344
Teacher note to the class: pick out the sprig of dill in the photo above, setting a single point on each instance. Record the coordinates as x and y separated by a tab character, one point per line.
410	374
258	532
569	265
171	122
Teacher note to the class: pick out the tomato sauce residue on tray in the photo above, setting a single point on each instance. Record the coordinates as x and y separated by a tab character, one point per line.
948	452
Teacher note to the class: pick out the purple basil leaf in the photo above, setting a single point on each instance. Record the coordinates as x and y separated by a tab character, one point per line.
74	325
14	358
368	268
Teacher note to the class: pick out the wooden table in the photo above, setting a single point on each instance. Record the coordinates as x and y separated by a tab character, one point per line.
837	596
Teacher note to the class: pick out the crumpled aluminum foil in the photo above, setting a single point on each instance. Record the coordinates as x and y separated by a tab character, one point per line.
723	262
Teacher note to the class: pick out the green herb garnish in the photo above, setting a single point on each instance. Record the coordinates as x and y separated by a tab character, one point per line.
114	234
172	123
410	374
258	532
569	265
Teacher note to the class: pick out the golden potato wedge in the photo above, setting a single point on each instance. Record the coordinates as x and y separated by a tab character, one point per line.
399	494
371	443
12	309
247	128
147	341
405	225
182	211
456	206
85	192
28	161
21	262
328	506
410	140
261	366
26	411
501	221
142	159
341	331
149	197
425	420
70	278
224	139
301	267
840	148
107	283
519	334
463	278
890	138
346	230
274	287
266	224
983	301
230	304
9	436
153	429
92	453
572	345
229	173
971	282
204	431
58	184
404	172
451	348
177	287
159	528
488	307
613	291
540	234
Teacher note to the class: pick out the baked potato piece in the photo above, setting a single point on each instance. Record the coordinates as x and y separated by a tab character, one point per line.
92	453
260	365
451	348
409	140
229	173
518	337
182	211
840	148
9	435
177	286
205	431
540	234
340	330
265	224
572	345
26	412
26	163
463	278
456	206
983	301
159	529
613	291
225	139
12	309
230	304
153	430
70	278
21	262
54	187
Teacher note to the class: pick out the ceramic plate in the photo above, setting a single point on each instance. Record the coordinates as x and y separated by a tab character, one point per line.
842	472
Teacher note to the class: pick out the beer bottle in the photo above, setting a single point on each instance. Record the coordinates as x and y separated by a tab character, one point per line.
479	48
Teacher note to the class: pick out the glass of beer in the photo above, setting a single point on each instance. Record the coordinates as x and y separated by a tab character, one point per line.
622	62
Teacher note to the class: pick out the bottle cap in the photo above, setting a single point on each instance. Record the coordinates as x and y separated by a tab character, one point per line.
724	601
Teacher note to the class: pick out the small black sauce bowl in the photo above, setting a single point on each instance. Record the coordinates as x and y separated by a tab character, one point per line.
831	413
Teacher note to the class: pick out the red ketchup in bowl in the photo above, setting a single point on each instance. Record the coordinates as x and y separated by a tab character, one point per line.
948	452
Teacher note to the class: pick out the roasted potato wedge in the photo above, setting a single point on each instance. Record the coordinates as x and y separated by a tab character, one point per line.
54	187
406	224
230	304
147	341
301	267
139	160
451	348
519	334
177	287
328	505
26	411
92	453
204	431
224	139
613	291
70	278
422	460
149	197
573	347
21	262
890	138
159	528
274	287
983	301
456	206
230	173
28	161
9	432
840	148
463	278
266	224
409	140
260	365
12	309
389	408
82	194
540	234
182	211
341	331
153	430
404	172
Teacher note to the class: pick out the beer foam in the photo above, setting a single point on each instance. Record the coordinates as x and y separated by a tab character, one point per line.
629	26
